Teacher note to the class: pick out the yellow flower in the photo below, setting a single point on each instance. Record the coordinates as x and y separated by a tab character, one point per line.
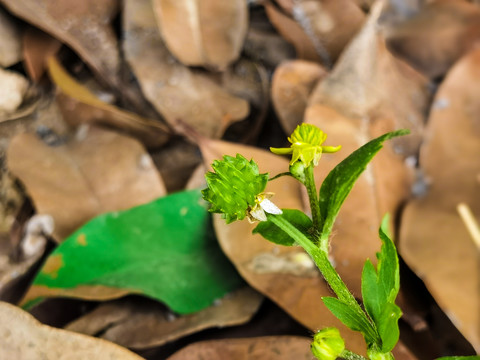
306	145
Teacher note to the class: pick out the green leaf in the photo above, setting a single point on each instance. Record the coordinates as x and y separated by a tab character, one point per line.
340	180
273	233
380	288
350	318
164	249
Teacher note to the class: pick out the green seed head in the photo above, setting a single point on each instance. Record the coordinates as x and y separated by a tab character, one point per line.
233	187
327	344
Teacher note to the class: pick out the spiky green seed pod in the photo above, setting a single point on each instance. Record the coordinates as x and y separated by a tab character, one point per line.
233	187
327	344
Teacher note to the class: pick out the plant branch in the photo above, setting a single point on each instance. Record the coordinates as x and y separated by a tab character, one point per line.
313	198
348	355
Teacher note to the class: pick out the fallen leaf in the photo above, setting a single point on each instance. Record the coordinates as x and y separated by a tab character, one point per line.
176	91
164	249
96	172
38	46
292	83
13	89
366	83
83	25
434	241
292	32
203	32
330	24
80	106
416	39
29	339
142	323
284	274
10	41
264	348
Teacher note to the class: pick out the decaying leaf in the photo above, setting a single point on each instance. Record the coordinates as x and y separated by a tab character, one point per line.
80	106
83	25
176	91
164	249
284	274
206	33
142	323
264	348
96	172
10	41
267	47
293	33
38	46
24	338
368	82
12	91
434	240
292	83
456	23
330	24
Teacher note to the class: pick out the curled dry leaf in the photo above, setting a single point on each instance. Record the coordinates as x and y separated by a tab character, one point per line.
434	241
292	32
98	171
330	24
83	25
367	81
284	274
292	83
80	106
38	46
141	323
176	91
456	23
10	41
29	339
264	348
206	33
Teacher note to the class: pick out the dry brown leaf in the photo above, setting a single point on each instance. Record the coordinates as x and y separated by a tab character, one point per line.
437	36
284	274
434	241
96	172
368	82
80	106
293	33
83	25
38	46
292	83
145	324
176	91
10	41
260	348
206	33
330	24
13	89
267	47
24	338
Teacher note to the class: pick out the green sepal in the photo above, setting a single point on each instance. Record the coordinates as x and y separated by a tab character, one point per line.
340	180
273	233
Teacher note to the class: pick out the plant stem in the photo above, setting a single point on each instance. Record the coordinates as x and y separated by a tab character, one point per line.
348	355
329	273
313	198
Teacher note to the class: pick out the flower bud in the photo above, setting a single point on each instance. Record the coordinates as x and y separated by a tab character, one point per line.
327	344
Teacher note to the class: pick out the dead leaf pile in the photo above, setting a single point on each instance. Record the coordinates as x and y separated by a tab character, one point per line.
106	106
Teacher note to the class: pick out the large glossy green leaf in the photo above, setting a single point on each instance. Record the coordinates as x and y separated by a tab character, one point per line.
273	233
340	180
164	249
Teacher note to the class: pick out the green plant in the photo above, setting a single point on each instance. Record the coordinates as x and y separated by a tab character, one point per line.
236	190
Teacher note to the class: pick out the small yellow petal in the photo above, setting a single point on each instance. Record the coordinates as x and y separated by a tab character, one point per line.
331	149
281	151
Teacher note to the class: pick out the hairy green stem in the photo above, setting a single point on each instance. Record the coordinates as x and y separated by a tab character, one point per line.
348	355
328	271
313	198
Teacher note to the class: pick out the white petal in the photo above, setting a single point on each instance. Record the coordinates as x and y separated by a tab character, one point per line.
258	214
270	207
